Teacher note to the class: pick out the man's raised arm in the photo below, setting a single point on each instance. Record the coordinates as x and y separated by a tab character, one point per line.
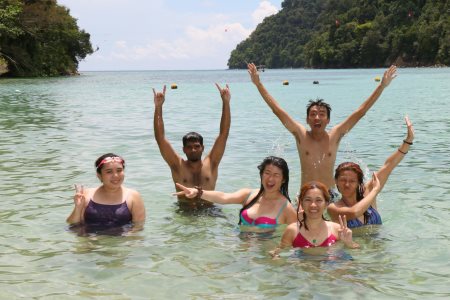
218	148
351	120
284	117
167	151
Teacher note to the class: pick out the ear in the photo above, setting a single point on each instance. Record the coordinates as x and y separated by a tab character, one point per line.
99	176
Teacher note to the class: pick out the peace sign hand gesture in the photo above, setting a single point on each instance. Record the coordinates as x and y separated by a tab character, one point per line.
79	197
345	233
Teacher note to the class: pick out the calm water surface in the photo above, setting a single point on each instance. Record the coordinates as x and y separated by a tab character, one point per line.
52	130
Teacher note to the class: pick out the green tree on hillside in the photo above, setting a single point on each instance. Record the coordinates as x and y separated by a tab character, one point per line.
350	33
40	38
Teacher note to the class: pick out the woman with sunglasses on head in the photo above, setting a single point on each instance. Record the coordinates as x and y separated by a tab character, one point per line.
111	204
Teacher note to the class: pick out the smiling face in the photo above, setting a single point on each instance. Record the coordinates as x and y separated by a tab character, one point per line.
193	150
112	174
272	178
314	203
317	118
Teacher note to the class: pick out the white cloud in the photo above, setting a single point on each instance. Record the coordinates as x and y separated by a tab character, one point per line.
265	9
205	44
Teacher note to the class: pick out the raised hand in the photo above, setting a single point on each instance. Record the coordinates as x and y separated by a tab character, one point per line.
224	92
376	185
389	75
253	71
345	233
186	192
79	197
410	136
159	97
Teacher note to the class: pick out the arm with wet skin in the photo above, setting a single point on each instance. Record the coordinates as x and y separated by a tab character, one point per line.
359	208
342	128
166	149
218	148
287	238
79	199
282	115
237	197
395	158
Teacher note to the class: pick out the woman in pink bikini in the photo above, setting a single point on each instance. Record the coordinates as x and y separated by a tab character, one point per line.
311	229
110	205
263	209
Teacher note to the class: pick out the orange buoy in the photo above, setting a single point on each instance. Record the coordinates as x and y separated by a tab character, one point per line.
173	86
285	82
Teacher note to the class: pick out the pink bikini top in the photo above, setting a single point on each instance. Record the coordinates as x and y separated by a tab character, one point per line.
301	242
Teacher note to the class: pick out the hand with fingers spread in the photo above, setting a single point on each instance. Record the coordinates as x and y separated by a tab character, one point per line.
224	92
345	233
388	76
254	75
159	97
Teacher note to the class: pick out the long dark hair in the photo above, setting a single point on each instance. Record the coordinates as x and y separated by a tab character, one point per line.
284	189
351	166
305	188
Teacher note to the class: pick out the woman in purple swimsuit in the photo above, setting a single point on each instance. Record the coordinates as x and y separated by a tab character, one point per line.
358	202
111	204
262	209
311	229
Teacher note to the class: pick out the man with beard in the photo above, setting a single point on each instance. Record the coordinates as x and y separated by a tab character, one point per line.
193	171
317	147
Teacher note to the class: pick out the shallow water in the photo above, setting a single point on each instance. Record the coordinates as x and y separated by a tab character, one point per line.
52	130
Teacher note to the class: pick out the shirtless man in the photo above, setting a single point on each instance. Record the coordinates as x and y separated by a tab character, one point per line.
317	148
194	171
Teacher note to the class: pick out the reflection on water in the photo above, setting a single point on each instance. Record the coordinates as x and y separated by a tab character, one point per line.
51	131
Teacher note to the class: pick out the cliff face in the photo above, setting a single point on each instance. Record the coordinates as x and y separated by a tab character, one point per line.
349	34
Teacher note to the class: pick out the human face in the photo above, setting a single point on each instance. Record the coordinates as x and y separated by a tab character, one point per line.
314	203
193	151
112	174
347	183
272	178
317	118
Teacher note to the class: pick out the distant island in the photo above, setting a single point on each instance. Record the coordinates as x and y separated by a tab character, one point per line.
350	34
40	38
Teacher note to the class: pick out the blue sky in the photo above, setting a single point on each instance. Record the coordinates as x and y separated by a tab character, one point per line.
166	34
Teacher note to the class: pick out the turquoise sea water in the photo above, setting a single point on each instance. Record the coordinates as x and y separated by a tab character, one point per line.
52	130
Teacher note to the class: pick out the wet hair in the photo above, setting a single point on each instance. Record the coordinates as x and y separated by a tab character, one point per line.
99	165
351	166
305	188
320	103
284	189
192	137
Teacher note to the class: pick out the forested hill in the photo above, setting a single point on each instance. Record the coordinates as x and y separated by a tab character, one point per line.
40	38
348	34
